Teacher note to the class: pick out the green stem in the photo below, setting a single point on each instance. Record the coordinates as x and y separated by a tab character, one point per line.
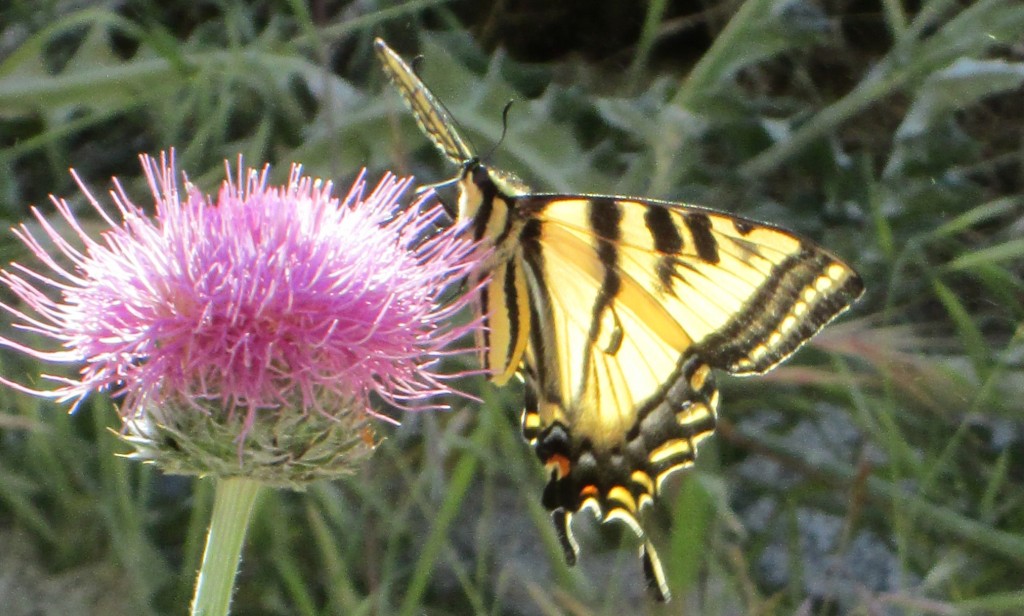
232	509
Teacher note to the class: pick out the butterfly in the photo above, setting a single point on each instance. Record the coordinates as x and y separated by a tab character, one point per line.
616	310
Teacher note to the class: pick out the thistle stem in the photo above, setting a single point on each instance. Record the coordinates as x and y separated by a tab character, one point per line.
232	508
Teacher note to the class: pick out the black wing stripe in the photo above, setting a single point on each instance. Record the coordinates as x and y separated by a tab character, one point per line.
605	218
730	347
483	302
667	241
512	274
545	361
488	192
666	236
700	227
744	227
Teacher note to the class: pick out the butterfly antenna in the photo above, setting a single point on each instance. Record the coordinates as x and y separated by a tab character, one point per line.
504	130
415	64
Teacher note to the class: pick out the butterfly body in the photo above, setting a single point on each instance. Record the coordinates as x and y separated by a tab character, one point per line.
615	310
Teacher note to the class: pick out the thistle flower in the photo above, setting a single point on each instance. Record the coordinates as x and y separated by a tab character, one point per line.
247	335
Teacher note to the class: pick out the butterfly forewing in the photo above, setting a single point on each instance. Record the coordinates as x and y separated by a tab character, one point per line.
631	290
745	294
615	310
606	344
502	303
431	116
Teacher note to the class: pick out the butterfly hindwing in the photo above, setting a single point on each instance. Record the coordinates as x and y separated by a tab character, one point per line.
505	310
616	481
615	310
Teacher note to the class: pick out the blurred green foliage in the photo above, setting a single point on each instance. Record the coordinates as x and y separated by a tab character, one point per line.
880	472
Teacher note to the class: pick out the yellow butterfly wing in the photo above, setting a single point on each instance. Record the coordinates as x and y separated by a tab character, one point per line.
634	301
616	310
431	116
506	321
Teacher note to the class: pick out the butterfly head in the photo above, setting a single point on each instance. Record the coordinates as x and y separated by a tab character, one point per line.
480	185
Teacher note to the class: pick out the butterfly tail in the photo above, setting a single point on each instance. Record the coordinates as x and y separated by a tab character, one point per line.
654	572
563	528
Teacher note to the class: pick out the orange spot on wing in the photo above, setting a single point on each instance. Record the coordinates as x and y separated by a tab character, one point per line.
560	464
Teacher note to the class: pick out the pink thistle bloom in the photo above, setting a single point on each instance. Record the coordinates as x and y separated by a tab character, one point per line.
253	329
